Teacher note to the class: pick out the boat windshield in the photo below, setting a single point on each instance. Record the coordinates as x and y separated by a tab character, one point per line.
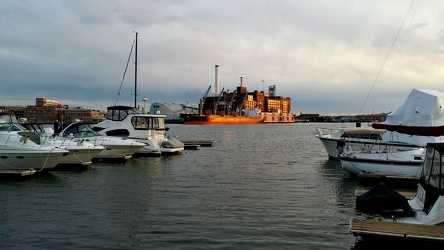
81	131
11	127
145	123
120	113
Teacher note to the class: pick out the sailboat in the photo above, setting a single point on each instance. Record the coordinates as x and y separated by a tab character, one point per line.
129	122
418	121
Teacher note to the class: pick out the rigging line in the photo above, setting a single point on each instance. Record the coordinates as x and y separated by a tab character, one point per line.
377	76
126	68
400	47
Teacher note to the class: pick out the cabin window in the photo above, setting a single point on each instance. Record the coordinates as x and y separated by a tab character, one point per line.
116	115
158	123
143	123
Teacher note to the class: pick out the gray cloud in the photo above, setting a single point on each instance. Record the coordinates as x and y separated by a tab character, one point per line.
325	56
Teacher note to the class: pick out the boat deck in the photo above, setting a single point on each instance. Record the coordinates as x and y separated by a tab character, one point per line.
363	227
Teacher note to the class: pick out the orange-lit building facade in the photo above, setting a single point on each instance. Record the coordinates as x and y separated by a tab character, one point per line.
49	111
274	108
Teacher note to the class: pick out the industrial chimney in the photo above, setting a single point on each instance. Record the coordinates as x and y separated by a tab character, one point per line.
216	81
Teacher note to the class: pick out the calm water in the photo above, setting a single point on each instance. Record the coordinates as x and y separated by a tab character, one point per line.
259	187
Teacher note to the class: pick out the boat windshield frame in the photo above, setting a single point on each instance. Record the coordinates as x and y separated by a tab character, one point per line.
82	130
11	127
119	113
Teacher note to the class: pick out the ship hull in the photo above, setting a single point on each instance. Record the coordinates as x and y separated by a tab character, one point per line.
193	119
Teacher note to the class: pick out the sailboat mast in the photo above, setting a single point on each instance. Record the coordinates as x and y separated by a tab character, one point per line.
135	76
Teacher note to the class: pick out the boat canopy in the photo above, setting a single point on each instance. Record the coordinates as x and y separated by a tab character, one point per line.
432	180
433	169
119	113
420	114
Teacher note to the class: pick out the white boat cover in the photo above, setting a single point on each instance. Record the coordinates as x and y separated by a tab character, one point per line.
418	120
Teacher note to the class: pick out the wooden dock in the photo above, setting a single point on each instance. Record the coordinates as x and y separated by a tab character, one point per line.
18	172
196	144
406	194
376	228
379	176
392	180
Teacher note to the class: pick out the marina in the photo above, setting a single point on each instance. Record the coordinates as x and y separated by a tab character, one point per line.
234	168
240	193
160	202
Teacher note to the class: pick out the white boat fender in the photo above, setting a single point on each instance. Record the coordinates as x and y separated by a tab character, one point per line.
347	149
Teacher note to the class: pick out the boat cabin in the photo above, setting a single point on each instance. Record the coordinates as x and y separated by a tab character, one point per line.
125	119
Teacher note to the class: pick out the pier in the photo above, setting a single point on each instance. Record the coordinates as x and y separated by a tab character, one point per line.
196	144
17	173
372	228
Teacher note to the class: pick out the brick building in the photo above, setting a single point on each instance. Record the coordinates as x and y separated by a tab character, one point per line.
49	111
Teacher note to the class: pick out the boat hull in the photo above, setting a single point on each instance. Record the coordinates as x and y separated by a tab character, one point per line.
80	156
193	119
26	159
407	163
335	141
116	148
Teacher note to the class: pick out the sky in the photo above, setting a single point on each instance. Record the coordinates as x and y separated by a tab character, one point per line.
330	57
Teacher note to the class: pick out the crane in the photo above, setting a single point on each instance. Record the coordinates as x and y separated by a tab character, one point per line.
202	100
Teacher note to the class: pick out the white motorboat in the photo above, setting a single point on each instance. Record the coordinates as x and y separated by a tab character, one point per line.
129	122
115	147
17	152
81	152
383	160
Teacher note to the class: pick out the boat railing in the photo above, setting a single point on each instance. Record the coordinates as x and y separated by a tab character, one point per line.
320	131
14	140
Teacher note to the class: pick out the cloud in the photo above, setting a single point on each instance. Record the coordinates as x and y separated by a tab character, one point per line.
325	56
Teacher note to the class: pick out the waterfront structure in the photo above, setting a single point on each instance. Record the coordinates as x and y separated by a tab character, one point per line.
49	111
234	107
241	103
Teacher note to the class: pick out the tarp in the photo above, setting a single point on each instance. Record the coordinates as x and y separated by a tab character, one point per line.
421	114
381	198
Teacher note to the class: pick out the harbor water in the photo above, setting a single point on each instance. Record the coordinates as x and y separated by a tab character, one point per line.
267	186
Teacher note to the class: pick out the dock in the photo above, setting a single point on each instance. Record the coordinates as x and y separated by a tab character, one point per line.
372	228
196	144
406	194
378	176
17	172
393	180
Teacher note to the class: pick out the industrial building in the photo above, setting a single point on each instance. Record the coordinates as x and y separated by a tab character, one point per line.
49	111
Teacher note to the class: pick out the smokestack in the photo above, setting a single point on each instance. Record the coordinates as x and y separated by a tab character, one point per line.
241	80
217	80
